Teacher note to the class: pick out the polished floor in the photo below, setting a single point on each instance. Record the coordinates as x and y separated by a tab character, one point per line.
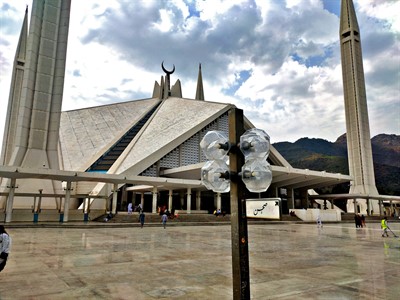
287	261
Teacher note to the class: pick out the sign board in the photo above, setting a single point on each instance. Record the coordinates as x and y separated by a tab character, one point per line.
264	208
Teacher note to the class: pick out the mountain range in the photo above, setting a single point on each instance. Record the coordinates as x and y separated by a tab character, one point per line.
322	155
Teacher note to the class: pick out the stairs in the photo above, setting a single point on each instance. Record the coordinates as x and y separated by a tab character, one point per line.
189	219
123	217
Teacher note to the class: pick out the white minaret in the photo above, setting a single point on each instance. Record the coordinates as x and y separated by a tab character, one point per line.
359	148
10	127
33	120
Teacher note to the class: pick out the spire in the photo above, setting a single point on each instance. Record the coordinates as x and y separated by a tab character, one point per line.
348	18
199	90
162	87
15	94
21	48
176	89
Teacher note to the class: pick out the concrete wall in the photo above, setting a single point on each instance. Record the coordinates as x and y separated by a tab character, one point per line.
311	214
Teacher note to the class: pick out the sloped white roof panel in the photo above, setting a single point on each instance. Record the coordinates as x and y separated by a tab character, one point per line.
175	121
87	133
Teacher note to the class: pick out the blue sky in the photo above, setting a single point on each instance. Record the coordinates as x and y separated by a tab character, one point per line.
277	60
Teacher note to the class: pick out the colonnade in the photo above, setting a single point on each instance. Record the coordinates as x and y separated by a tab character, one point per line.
188	199
392	209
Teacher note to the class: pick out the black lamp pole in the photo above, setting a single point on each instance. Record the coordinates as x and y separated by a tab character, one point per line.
240	249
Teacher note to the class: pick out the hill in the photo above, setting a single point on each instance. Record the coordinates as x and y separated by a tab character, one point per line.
320	155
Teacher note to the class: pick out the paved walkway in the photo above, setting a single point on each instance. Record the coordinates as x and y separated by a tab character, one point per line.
287	261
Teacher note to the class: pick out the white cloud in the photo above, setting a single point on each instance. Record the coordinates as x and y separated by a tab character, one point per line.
384	10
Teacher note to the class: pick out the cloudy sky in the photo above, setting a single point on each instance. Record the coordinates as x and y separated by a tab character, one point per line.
277	60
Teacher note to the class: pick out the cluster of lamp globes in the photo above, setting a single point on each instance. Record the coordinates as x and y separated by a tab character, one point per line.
256	173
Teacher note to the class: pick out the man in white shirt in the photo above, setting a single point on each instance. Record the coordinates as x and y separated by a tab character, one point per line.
5	245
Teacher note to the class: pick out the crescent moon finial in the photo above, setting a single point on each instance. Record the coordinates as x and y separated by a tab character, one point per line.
165	70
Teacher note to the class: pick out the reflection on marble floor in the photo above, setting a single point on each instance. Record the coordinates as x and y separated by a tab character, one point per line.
287	261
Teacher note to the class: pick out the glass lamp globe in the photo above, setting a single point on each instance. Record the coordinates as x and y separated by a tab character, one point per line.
257	175
215	144
255	143
213	175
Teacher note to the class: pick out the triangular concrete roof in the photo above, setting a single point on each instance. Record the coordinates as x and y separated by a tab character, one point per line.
175	121
87	134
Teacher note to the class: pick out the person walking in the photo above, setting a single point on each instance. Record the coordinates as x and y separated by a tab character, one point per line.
363	221
5	245
130	208
384	227
164	220
141	219
319	222
357	219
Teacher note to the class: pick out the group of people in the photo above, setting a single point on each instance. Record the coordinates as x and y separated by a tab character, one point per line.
164	218
165	214
108	217
131	208
359	220
139	209
218	212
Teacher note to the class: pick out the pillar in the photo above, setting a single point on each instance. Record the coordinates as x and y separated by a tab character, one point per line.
10	200
124	198
290	198
115	198
170	192
86	202
67	201
154	209
107	204
189	200
182	199
304	198
218	201
368	206
61	211
37	207
106	198
198	200
355	205
142	200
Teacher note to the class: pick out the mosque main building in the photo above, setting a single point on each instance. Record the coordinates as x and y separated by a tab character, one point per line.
146	151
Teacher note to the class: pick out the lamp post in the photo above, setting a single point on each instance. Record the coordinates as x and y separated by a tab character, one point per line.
239	233
247	160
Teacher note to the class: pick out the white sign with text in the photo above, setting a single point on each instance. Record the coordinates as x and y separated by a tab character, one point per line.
264	208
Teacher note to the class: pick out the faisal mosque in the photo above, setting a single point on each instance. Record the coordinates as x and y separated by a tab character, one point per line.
98	159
